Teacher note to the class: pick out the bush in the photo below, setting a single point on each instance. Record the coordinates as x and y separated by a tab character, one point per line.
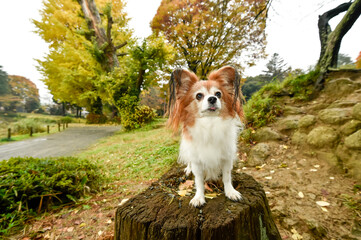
66	119
132	114
31	184
23	126
301	87
93	118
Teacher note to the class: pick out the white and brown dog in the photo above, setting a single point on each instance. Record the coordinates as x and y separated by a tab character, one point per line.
210	115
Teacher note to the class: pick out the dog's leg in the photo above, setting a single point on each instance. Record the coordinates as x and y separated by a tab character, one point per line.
198	199
229	190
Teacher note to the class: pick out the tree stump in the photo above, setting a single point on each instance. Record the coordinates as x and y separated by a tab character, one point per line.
160	213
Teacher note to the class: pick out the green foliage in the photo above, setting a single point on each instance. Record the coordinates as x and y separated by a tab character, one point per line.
66	119
28	185
4	82
301	87
93	118
23	126
261	111
263	107
132	115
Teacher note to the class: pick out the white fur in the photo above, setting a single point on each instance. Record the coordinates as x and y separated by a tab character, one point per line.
211	151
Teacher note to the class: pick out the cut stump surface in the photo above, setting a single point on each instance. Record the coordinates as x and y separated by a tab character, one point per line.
160	213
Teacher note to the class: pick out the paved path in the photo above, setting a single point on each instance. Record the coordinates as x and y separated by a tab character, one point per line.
66	143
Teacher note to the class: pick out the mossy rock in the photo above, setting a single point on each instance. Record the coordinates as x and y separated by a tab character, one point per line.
258	154
335	115
266	134
341	87
351	127
288	123
306	121
354	141
356	111
322	137
299	138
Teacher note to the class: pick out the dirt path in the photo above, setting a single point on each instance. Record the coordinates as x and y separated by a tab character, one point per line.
66	143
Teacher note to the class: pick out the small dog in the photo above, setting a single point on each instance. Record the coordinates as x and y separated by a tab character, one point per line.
211	117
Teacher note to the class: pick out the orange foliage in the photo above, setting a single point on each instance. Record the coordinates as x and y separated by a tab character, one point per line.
358	61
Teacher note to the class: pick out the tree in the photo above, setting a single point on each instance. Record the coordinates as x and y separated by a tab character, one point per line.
276	68
331	40
209	34
79	68
358	61
4	82
26	91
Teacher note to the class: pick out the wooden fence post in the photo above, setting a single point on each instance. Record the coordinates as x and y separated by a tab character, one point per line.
66	125
31	131
63	126
47	129
59	127
9	133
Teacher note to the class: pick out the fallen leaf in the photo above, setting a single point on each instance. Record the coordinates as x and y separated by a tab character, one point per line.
109	221
123	201
184	193
186	185
322	203
268	178
70	229
210	195
313	170
324	209
301	195
82	225
283	165
296	235
316	166
272	171
100	233
332	178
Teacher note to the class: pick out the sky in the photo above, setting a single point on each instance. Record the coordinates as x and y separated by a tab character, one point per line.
291	32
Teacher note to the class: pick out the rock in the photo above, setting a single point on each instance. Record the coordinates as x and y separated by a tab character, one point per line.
329	157
343	153
335	115
356	228
306	121
258	154
340	87
317	228
342	104
299	138
351	127
322	137
288	123
290	110
266	134
354	141
354	165
356	111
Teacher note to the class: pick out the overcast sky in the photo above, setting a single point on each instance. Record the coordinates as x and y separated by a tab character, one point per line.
291	28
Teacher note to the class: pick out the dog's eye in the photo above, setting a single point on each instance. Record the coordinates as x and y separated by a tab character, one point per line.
199	96
218	94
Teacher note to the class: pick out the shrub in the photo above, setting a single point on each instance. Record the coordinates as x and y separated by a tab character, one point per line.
93	118
301	87
23	126
31	184
132	115
66	119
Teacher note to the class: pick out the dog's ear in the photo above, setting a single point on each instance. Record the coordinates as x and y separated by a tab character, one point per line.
180	83
230	80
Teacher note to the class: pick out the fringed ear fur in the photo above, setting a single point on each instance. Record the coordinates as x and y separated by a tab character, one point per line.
180	83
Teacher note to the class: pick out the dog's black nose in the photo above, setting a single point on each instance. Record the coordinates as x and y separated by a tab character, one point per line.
212	100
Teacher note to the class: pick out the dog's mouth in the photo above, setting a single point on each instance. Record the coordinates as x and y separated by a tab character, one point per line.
212	109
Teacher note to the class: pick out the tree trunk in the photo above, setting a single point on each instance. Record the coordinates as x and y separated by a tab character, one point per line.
103	38
331	41
160	213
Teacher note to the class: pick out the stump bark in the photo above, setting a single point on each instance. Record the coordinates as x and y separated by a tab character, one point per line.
160	213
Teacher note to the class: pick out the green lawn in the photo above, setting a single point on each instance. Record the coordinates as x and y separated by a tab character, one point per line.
136	156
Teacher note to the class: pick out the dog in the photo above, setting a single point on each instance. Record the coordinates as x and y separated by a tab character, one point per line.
210	115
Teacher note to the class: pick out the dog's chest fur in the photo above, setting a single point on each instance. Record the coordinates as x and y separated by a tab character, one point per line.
213	141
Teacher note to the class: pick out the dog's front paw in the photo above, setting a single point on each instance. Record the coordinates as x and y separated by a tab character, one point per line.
234	195
197	201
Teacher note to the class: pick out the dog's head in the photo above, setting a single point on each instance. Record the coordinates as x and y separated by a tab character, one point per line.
191	98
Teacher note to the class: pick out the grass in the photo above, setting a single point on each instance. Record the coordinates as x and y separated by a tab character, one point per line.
136	156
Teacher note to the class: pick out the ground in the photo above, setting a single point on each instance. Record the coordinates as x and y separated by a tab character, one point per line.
65	143
298	186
